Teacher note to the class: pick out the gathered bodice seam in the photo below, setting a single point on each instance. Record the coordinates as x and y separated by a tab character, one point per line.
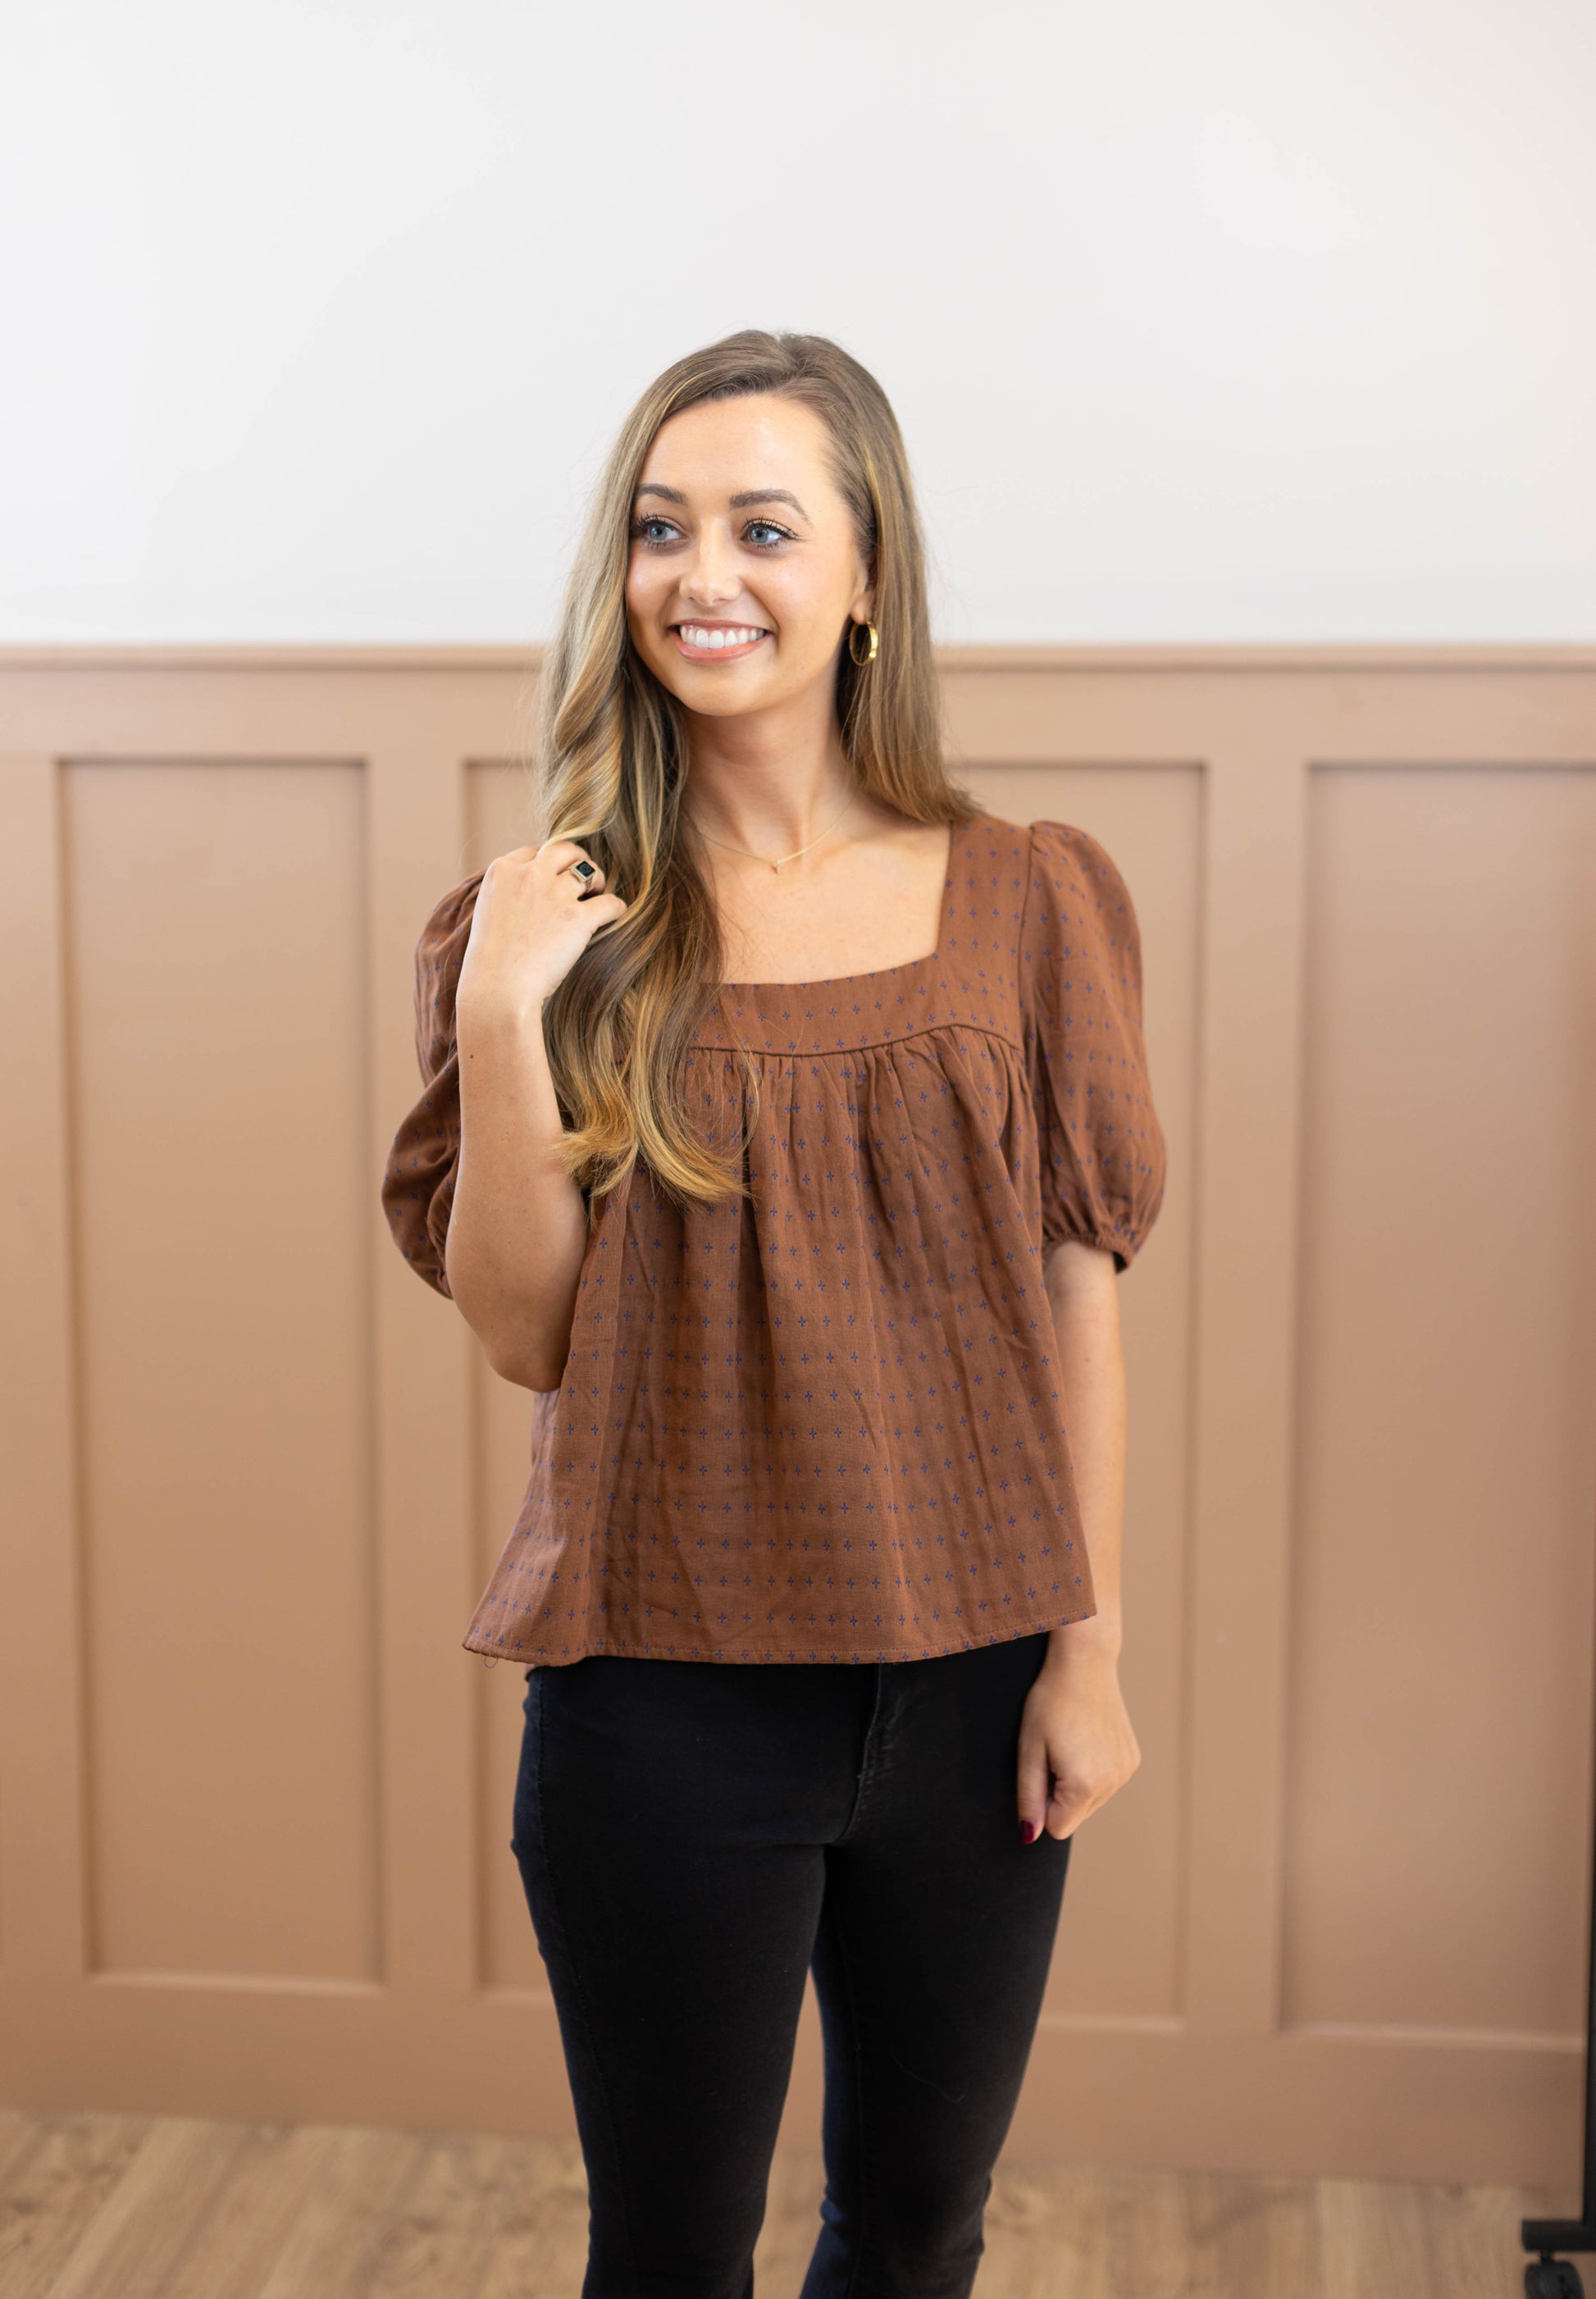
799	1051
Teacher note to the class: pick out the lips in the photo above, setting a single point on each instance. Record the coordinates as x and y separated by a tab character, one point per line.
717	642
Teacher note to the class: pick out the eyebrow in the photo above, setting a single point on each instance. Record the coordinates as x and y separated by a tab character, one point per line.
766	494
738	503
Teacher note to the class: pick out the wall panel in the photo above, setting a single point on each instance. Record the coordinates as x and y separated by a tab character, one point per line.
218	1028
1447	1374
254	1798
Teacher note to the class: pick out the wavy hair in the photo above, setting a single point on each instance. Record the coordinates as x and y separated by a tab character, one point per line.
612	755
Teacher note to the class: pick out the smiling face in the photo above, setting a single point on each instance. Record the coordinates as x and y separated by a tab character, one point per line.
744	569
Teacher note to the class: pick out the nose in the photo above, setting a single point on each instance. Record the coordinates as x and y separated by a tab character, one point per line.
711	577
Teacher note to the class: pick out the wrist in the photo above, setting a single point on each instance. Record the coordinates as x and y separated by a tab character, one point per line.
483	1027
1096	1641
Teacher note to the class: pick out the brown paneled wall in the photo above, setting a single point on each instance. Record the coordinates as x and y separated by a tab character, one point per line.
255	1804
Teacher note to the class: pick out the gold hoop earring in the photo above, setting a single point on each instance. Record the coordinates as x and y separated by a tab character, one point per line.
869	653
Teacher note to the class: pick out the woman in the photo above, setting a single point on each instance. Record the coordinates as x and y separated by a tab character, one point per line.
785	1128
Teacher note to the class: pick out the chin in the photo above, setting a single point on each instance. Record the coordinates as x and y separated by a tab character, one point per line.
709	694
721	703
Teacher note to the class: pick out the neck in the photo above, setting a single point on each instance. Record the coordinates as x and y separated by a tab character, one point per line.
771	781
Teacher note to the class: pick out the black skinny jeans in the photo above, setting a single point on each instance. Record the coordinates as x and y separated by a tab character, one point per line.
693	1836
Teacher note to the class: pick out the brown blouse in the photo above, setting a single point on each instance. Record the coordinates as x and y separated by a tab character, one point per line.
822	1421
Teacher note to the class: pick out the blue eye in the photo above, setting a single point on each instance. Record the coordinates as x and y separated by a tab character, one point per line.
655	532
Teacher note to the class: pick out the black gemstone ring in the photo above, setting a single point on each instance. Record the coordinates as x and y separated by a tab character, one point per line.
583	870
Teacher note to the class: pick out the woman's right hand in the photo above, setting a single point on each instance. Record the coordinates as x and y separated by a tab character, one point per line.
532	921
519	1227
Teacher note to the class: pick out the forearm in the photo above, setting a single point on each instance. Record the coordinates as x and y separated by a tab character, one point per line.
518	1228
1077	1747
1082	1289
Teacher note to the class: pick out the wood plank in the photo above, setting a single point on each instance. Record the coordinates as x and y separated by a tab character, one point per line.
542	2227
1425	2242
1048	2231
174	2209
362	2177
130	2244
1243	2234
53	2179
442	2230
19	2135
234	2247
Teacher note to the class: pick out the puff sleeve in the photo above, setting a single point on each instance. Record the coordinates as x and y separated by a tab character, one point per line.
1101	1147
418	1183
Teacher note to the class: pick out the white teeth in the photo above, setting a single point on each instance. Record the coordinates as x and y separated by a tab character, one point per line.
697	635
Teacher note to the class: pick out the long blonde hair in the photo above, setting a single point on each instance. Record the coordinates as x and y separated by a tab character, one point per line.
612	755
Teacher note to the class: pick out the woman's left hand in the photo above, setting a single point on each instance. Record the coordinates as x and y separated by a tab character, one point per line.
1076	1746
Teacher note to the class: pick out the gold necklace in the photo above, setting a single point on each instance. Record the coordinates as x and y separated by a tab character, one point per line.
752	857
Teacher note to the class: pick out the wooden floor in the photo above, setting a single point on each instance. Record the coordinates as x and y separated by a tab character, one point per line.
129	2207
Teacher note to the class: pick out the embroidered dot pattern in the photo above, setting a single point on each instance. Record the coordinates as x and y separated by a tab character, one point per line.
823	1421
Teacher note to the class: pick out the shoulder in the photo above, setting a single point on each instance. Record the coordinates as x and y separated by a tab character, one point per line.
988	872
1080	937
1071	860
993	833
988	843
1055	857
1075	882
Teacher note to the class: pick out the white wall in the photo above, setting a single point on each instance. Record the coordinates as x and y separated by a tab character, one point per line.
1255	320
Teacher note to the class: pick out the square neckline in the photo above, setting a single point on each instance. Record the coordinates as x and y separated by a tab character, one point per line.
881	972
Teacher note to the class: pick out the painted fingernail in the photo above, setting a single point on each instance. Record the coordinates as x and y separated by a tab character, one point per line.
1027	1831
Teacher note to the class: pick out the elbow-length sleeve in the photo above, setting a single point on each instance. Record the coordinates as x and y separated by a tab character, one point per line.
418	1183
1101	1147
